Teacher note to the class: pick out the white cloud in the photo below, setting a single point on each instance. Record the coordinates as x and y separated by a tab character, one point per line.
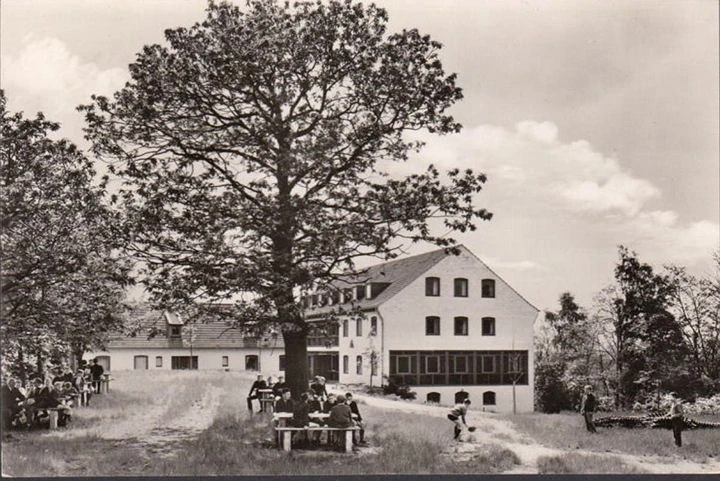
46	76
573	184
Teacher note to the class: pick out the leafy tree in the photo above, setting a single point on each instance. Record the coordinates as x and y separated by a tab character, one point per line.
62	287
253	146
567	356
695	302
641	334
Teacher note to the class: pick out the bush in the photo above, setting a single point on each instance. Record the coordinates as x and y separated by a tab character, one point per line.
551	395
401	390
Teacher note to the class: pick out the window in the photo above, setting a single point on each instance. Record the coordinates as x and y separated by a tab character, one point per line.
358	365
460	364
488	288
358	327
225	361
432	365
140	362
346	363
174	331
373	326
488	326
403	365
347	294
432	286
461	287
432	326
360	293
183	362
281	359
158	361
461	326
488	398
345	328
433	397
488	364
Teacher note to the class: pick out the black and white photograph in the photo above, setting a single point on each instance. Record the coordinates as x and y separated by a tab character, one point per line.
333	238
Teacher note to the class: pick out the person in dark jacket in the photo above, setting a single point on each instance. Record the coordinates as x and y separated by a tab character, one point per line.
318	387
313	404
12	403
254	394
676	418
96	371
340	415
358	419
330	403
285	404
279	386
587	408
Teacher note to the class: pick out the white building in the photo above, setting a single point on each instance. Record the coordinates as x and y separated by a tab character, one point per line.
438	322
162	341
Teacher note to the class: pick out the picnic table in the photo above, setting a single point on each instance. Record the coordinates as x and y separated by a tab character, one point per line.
284	433
266	397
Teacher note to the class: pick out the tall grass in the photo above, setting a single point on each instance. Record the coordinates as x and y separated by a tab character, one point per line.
567	431
236	443
584	464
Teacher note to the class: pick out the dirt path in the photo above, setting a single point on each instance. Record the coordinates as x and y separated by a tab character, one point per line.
528	450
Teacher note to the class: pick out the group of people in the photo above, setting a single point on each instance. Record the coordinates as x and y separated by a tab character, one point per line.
588	406
342	409
25	406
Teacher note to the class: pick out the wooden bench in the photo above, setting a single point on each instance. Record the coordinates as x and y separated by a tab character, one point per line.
287	432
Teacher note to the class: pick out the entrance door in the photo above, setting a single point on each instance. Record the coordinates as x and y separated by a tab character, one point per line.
325	364
251	363
140	362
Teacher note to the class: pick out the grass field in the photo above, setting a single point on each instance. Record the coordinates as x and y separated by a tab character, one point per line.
567	431
160	424
179	423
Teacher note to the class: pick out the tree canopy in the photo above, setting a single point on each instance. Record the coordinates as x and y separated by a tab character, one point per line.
253	149
61	280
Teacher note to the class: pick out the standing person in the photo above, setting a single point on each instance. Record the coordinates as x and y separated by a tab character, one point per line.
457	416
254	394
676	418
587	408
319	388
96	371
358	419
12	402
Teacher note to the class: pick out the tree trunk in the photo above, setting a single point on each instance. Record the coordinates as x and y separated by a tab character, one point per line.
296	369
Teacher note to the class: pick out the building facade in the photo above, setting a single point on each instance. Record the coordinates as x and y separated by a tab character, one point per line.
439	322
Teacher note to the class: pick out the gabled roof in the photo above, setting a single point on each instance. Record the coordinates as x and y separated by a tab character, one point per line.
148	329
398	274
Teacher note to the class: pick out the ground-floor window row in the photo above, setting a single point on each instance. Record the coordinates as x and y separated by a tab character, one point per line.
489	398
467	368
141	362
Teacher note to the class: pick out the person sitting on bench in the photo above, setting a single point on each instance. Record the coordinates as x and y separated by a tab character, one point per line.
278	387
285	404
358	419
340	415
254	394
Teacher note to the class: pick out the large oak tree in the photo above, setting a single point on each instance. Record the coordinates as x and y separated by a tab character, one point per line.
250	148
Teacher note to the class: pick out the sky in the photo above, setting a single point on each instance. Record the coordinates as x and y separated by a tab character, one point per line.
596	122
